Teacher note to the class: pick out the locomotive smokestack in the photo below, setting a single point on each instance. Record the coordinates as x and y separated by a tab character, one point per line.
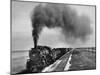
35	37
35	42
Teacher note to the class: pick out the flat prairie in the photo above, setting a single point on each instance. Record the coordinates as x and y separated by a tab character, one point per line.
83	60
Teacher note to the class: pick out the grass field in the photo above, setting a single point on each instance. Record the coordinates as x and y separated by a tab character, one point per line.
83	60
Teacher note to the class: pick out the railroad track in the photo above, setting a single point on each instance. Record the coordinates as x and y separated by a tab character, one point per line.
60	64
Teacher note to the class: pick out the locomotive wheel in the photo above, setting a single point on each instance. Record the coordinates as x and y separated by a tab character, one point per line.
34	69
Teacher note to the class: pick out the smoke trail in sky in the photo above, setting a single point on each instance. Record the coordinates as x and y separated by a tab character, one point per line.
57	15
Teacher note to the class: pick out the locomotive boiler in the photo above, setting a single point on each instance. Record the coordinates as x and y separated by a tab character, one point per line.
39	58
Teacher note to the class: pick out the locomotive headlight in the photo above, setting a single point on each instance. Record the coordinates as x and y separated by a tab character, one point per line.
33	55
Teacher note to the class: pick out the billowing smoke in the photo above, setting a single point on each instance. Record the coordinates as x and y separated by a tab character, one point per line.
62	16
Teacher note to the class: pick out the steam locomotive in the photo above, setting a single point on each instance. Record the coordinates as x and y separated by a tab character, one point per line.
41	57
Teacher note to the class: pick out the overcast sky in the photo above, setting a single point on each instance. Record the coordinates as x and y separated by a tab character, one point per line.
22	30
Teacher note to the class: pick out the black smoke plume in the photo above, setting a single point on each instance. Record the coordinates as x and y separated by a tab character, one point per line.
58	15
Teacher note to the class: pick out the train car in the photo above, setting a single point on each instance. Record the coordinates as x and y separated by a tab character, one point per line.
58	52
68	49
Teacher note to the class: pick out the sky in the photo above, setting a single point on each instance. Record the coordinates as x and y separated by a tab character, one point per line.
22	29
